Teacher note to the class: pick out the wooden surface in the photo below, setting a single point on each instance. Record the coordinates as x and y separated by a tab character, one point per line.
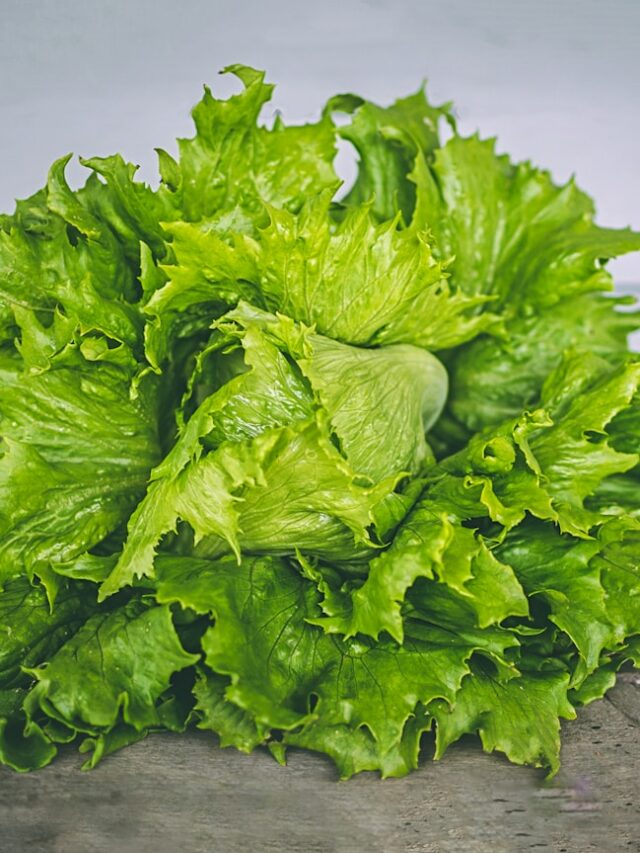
183	794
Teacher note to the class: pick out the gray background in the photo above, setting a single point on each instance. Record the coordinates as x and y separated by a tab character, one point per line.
556	80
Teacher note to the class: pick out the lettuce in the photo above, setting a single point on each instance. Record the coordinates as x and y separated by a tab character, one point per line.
311	469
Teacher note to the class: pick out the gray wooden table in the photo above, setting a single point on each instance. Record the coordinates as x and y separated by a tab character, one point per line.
182	793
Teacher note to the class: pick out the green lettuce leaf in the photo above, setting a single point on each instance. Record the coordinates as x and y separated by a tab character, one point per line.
495	378
232	163
558	569
618	561
23	747
535	249
361	282
358	282
233	725
76	453
519	717
380	402
429	546
278	663
582	399
387	140
30	631
288	488
514	234
117	666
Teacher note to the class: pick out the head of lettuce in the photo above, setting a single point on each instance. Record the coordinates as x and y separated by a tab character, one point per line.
313	468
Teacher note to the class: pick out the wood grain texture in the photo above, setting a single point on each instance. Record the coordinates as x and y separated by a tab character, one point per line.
182	793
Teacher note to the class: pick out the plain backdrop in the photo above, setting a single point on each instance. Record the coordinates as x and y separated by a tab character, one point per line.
556	80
